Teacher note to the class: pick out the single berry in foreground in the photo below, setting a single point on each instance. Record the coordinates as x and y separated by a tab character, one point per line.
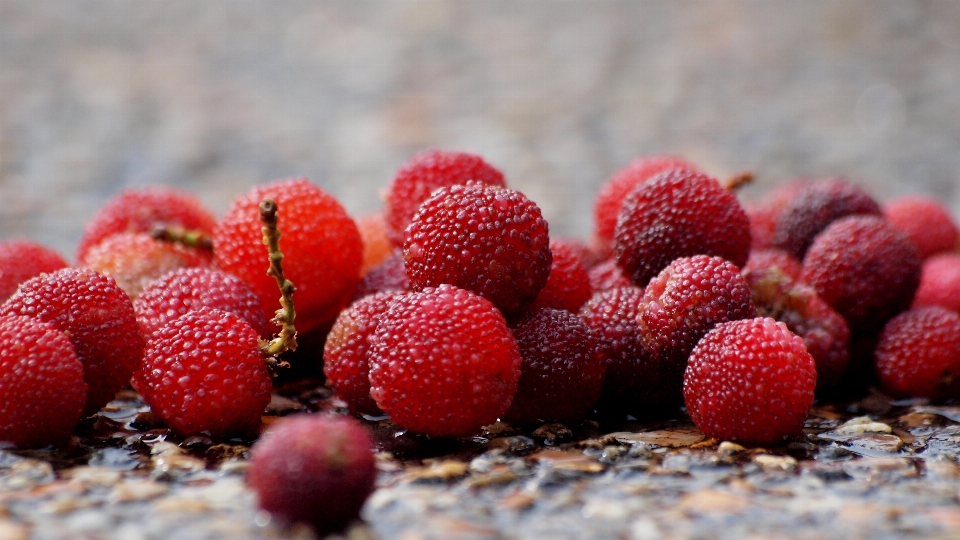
926	221
750	381
314	469
443	362
918	354
21	260
41	383
940	282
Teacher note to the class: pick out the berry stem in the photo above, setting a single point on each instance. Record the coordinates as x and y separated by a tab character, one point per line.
186	237
738	180
286	340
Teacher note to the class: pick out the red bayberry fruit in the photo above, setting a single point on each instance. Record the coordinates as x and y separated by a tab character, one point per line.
764	213
940	282
134	260
587	255
610	198
21	260
568	285
98	318
767	259
377	247
926	221
140	211
750	381
345	352
489	240
562	372
314	469
323	249
391	275
41	383
679	214
424	174
186	289
865	269
443	362
918	354
816	206
204	372
607	275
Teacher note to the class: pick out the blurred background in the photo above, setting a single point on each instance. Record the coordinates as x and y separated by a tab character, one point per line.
214	96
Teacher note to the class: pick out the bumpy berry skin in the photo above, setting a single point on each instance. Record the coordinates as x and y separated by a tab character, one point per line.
41	383
865	269
21	260
679	214
314	469
391	275
918	354
489	240
204	373
98	318
815	207
610	198
377	247
320	243
135	260
443	362
187	289
766	259
568	285
940	282
926	221
427	171
680	305
345	351
764	213
750	381
562	373
139	211
607	275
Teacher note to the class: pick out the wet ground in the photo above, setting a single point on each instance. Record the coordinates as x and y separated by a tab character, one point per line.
866	469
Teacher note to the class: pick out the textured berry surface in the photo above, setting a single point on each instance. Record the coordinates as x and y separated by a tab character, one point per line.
562	373
187	289
764	213
204	373
918	354
568	285
21	260
679	214
135	260
320	243
99	319
768	259
139	211
926	221
443	362
814	207
377	247
610	198
681	304
345	351
607	275
865	269
489	240
750	381
314	469
940	282
427	171
41	383
391	275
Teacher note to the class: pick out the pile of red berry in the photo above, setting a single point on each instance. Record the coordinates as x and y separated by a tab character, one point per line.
454	308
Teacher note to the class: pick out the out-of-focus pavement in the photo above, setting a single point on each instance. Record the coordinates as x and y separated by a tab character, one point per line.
215	96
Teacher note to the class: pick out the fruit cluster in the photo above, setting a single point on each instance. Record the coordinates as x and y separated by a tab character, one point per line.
453	307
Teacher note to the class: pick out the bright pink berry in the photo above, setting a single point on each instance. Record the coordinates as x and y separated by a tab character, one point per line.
940	282
443	362
926	221
750	381
568	285
489	240
204	372
918	354
314	469
21	260
41	383
98	318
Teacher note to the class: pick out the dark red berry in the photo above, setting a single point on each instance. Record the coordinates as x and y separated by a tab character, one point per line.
764	213
390	275
926	221
679	214
443	362
489	240
607	275
314	469
940	282
568	285
41	383
562	372
98	318
750	381
424	174
21	260
918	354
